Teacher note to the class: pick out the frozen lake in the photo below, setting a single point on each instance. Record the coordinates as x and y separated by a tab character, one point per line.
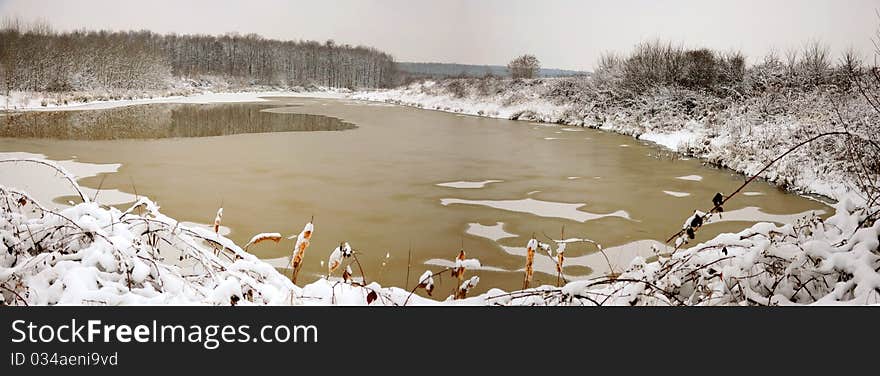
389	179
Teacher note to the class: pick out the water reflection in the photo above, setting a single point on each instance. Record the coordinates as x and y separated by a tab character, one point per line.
163	121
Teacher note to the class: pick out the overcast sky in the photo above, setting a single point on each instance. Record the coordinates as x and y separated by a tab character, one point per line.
563	34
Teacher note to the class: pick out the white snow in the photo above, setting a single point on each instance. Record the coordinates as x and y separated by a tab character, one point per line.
753	213
672	141
469	284
261	237
468	184
467	263
451	264
204	226
100	256
691	177
534	109
32	102
339	253
494	232
41	181
538	207
677	194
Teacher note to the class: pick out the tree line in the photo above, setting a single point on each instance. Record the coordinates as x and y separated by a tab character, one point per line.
659	64
35	58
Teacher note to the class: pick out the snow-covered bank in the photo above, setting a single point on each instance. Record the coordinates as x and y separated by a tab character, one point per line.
741	134
336	292
92	254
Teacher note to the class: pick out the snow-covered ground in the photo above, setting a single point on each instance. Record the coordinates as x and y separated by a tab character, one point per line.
20	101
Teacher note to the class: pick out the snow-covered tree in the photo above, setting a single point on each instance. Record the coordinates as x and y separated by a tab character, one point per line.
525	66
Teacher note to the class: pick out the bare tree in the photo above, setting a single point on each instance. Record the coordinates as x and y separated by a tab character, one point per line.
525	66
35	58
815	63
700	69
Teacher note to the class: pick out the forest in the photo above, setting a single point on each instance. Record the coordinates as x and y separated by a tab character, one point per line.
33	57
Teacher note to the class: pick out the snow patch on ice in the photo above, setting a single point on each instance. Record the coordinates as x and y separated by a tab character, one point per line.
755	214
494	232
31	104
223	230
691	177
468	184
42	182
537	207
451	263
677	194
619	257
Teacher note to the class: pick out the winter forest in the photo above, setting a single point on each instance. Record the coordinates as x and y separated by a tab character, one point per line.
35	58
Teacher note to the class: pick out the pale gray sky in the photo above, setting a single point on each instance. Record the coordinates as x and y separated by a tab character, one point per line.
563	34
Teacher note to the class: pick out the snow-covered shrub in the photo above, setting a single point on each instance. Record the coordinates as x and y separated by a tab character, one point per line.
835	261
88	254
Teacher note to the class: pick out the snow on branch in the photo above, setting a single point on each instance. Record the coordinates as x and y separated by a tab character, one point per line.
90	255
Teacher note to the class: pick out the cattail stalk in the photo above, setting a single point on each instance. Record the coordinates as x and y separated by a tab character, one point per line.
458	272
299	250
530	260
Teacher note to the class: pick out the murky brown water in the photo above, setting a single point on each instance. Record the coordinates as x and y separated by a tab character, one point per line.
376	185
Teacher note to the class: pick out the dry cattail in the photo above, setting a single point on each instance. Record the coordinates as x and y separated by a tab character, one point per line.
342	251
530	260
217	220
462	264
560	259
426	281
466	287
458	269
299	249
273	236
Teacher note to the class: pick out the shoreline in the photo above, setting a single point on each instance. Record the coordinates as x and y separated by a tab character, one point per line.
541	112
330	291
691	139
204	97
